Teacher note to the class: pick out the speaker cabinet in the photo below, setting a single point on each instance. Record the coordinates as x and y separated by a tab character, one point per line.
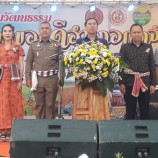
153	111
153	97
53	139
134	139
153	108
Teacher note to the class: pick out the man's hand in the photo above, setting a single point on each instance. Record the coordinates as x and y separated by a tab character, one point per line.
152	89
61	83
122	88
29	83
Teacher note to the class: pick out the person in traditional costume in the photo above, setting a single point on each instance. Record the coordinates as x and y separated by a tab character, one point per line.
11	73
138	81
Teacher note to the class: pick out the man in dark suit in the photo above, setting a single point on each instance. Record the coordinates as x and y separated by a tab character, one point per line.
138	81
91	26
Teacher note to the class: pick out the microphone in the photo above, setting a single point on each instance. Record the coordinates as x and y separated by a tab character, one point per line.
54	55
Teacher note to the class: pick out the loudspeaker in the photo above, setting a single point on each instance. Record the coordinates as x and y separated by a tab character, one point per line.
153	97
153	111
153	108
134	139
53	139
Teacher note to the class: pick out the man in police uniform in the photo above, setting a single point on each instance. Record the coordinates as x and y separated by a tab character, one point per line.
43	59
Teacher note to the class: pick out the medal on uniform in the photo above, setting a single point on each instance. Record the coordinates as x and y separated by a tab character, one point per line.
56	45
51	45
38	45
37	54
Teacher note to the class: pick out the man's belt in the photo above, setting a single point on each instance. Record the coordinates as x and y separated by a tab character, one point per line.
47	73
138	82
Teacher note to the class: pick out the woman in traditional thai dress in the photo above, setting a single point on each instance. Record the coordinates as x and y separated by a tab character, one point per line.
11	73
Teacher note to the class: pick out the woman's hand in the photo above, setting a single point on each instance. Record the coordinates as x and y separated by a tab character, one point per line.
19	85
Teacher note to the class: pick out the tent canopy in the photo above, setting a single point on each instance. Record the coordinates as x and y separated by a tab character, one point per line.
80	1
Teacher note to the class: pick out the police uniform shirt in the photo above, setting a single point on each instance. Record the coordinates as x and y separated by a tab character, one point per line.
40	56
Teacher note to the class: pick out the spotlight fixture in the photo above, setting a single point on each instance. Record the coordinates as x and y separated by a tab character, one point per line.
53	8
83	156
16	7
92	8
131	7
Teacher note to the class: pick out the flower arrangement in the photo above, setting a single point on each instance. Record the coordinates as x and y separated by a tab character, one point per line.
93	64
15	48
147	51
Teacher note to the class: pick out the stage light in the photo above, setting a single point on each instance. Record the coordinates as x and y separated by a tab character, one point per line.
83	156
53	8
92	8
16	7
131	7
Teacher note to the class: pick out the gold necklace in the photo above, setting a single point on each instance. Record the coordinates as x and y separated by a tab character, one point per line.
7	47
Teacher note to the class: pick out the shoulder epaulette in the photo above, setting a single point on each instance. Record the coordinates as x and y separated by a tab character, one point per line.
35	41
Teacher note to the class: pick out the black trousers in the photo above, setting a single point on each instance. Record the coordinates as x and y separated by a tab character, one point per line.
131	102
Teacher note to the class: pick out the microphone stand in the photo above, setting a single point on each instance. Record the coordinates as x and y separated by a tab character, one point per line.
60	91
60	94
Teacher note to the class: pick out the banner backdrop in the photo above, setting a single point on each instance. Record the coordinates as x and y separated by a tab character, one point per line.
68	23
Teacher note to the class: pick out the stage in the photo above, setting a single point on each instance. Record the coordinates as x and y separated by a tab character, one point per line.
116	113
72	138
5	146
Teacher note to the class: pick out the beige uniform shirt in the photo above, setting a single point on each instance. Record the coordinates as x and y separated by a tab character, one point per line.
37	54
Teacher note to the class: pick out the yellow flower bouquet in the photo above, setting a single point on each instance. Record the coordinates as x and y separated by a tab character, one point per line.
93	64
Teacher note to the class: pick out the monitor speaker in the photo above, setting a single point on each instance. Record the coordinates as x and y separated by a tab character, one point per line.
53	139
131	138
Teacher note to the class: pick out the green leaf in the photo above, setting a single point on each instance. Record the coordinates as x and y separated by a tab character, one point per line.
123	65
101	87
69	74
118	155
83	84
109	83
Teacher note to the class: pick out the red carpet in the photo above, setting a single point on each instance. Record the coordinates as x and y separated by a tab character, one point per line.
4	148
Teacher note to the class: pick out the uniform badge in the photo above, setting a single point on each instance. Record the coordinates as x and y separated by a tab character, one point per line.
56	45
51	45
37	54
